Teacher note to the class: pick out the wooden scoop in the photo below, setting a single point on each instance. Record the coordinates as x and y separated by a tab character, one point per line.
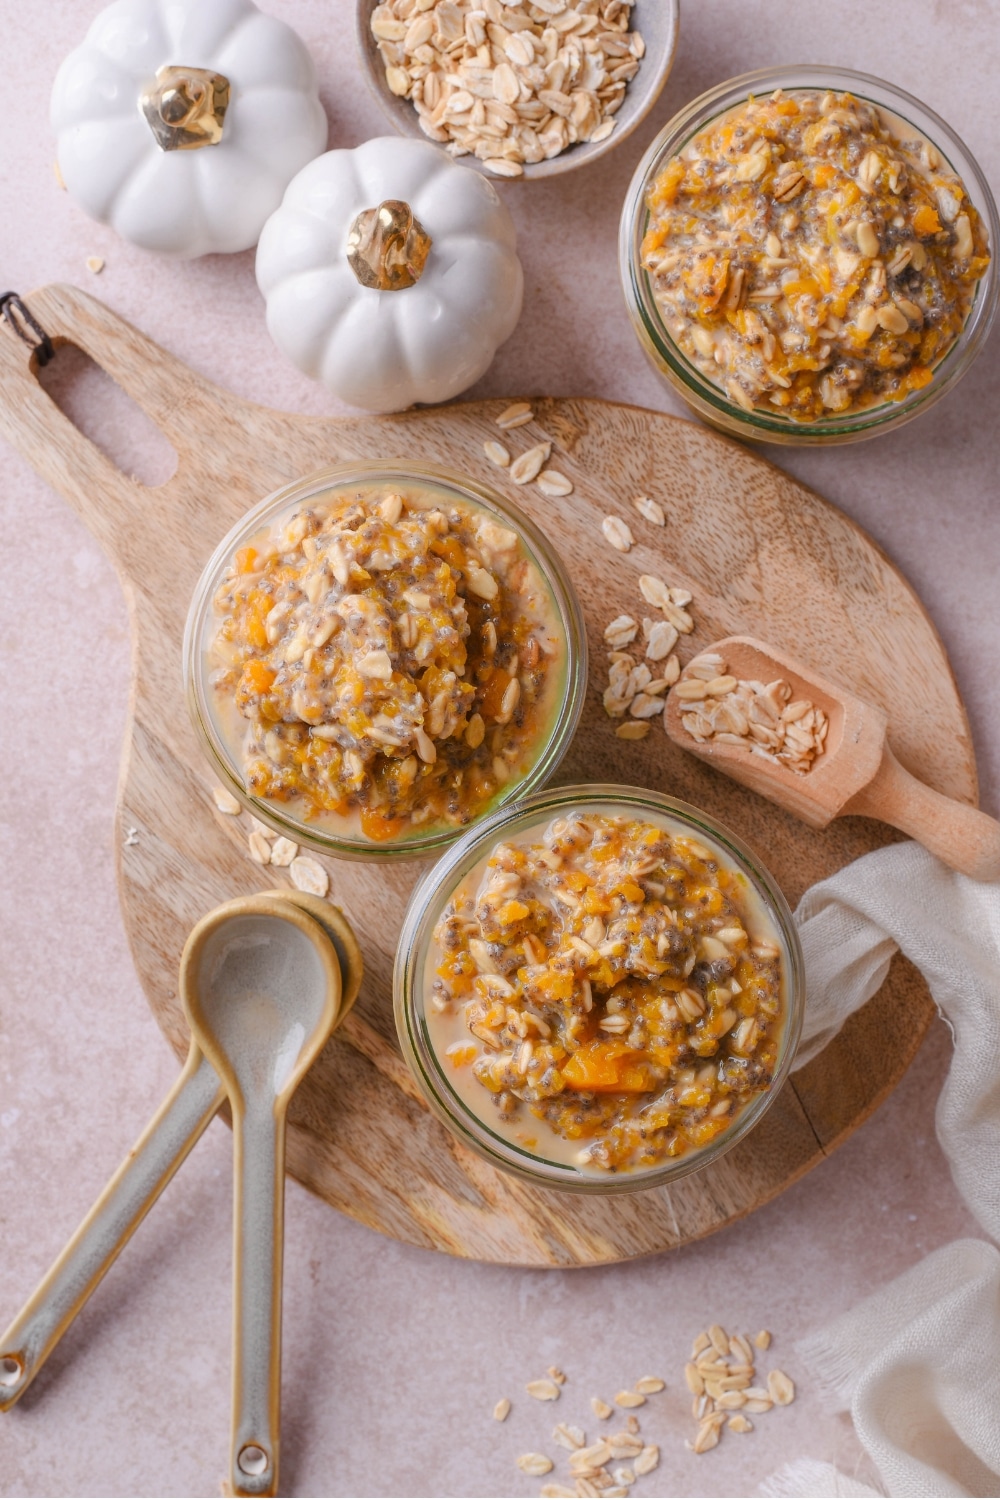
856	773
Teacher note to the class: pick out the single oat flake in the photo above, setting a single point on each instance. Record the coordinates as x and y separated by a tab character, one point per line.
283	851
551	482
535	1463
502	1410
225	802
617	533
260	849
543	1390
309	875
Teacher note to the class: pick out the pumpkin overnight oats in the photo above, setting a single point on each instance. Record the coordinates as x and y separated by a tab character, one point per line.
606	987
813	251
806	254
387	659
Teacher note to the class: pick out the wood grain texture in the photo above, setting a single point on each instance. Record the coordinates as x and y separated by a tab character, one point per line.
756	548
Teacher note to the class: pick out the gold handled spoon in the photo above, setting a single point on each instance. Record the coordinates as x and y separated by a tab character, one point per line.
179	1122
856	773
261	992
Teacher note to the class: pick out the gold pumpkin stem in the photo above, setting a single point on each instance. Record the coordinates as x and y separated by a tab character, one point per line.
185	108
387	248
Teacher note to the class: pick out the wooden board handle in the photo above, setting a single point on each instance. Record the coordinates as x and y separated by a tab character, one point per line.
199	419
961	836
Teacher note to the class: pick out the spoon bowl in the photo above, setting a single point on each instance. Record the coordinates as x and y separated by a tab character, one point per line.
341	934
260	984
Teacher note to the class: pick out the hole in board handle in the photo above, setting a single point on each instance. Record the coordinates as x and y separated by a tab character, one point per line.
107	416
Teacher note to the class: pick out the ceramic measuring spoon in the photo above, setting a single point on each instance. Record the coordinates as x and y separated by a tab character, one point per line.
180	1121
261	993
857	772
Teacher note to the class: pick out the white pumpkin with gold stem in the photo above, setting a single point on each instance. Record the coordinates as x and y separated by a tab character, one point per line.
390	273
181	122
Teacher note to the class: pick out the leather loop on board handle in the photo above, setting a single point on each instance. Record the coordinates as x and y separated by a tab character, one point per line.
47	439
181	403
204	423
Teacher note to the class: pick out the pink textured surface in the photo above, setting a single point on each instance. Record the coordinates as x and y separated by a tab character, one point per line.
394	1357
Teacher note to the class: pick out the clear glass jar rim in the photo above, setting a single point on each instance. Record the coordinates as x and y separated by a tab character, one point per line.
554	574
641	305
435	889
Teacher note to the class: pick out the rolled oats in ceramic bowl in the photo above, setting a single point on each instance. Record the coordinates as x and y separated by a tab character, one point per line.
520	88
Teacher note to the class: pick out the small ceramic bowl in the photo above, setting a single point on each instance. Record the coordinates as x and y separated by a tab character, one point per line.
476	1124
656	20
221	737
708	399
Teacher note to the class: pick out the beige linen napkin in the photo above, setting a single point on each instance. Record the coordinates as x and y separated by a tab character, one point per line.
918	1363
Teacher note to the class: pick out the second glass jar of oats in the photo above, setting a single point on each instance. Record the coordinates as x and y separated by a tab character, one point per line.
806	254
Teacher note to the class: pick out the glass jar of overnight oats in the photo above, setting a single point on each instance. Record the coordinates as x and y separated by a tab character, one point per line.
600	989
808	255
380	655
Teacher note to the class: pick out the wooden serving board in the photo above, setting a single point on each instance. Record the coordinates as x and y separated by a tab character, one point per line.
762	555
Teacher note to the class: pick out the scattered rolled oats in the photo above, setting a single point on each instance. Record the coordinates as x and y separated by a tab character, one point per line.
721	1372
654	590
543	1390
633	729
502	1410
497	454
630	1398
556	1492
706	1437
260	849
661	638
621	631
225	802
593	1457
600	1408
283	851
309	875
643	706
650	510
95	264
535	1463
515	416
719	1339
528	466
647	1460
650	1385
617	533
510	81
763	1339
557	1374
551	482
568	1436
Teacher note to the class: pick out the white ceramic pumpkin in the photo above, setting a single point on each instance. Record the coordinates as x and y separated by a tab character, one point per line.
390	273
181	122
